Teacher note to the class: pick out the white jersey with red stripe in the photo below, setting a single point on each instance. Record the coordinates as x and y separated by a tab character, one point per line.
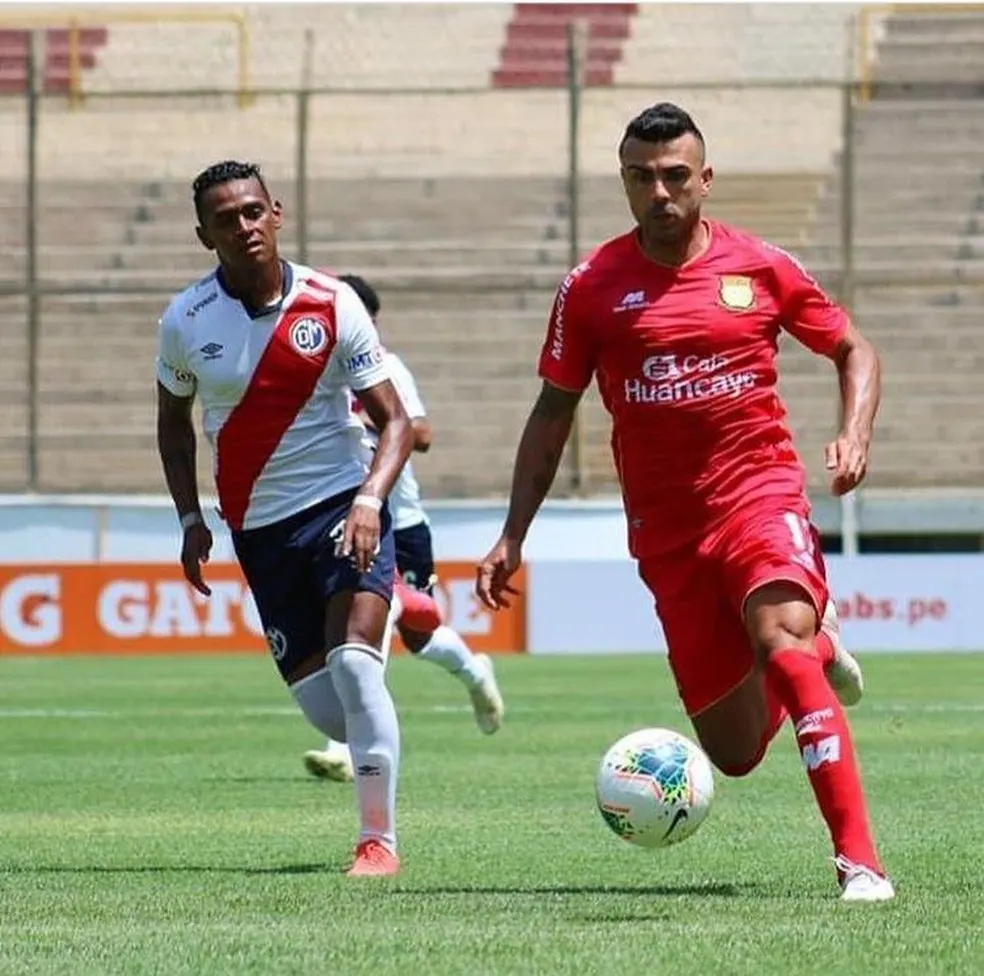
274	387
404	500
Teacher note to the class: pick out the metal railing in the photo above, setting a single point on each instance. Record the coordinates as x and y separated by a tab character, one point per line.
310	118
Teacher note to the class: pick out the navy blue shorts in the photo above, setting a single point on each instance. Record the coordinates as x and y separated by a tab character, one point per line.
292	570
415	557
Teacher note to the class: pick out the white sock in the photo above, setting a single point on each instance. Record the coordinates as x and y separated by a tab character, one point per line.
320	704
394	615
447	650
373	734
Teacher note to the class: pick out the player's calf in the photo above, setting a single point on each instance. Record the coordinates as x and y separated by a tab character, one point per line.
795	674
428	639
735	732
373	735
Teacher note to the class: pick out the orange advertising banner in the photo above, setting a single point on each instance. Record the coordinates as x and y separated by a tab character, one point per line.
148	608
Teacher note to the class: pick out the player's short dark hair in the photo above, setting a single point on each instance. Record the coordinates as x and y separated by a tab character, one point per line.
224	172
663	122
365	291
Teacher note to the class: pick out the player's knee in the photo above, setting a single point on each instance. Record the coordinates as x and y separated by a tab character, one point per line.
414	640
357	672
779	623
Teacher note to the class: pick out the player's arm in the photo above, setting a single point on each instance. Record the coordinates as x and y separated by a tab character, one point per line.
538	456
406	386
367	375
859	376
825	328
566	367
421	434
396	438
176	445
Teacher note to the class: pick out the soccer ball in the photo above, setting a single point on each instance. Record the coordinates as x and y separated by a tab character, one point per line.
654	788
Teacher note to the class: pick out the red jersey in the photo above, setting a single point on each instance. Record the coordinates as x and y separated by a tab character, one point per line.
686	365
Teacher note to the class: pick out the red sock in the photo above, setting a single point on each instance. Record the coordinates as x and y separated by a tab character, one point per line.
825	648
777	715
824	739
777	712
420	611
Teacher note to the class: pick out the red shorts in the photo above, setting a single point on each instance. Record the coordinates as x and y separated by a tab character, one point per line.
700	596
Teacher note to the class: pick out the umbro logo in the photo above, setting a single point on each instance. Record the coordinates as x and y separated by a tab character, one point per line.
633	299
212	350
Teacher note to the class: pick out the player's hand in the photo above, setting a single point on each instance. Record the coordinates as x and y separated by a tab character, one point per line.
359	538
847	459
495	571
195	549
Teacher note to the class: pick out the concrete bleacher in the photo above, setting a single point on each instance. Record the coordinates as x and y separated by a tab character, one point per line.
535	49
452	199
919	226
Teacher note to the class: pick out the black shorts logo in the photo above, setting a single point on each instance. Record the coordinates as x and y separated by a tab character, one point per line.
277	642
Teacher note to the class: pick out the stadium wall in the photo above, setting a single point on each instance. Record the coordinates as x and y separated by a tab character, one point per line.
101	577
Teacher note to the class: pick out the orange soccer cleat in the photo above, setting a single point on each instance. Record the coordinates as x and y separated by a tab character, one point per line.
373	860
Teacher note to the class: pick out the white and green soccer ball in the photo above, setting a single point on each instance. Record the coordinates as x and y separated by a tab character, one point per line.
654	787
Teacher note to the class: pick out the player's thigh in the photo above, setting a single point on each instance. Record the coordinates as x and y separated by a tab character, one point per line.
287	599
708	650
775	576
415	557
357	604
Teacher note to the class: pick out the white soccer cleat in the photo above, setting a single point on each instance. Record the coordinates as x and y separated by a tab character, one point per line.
485	697
843	673
859	883
334	763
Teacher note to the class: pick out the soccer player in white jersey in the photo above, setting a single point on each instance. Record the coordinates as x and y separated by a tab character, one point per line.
273	349
415	562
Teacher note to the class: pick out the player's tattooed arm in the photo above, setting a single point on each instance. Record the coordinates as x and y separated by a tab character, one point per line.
538	457
859	376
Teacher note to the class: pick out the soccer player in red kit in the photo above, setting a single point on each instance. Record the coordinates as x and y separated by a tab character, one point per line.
679	321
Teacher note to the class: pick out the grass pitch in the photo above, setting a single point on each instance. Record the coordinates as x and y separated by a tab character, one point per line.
155	818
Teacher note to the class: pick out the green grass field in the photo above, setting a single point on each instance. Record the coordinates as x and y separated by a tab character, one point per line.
155	818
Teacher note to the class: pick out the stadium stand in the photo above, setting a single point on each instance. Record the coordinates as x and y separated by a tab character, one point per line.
535	50
14	45
919	225
449	192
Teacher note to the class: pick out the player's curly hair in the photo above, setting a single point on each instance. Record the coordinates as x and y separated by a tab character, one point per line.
365	291
663	122
224	172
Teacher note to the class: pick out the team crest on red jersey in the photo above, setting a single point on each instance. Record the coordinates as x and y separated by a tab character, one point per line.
309	336
735	292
